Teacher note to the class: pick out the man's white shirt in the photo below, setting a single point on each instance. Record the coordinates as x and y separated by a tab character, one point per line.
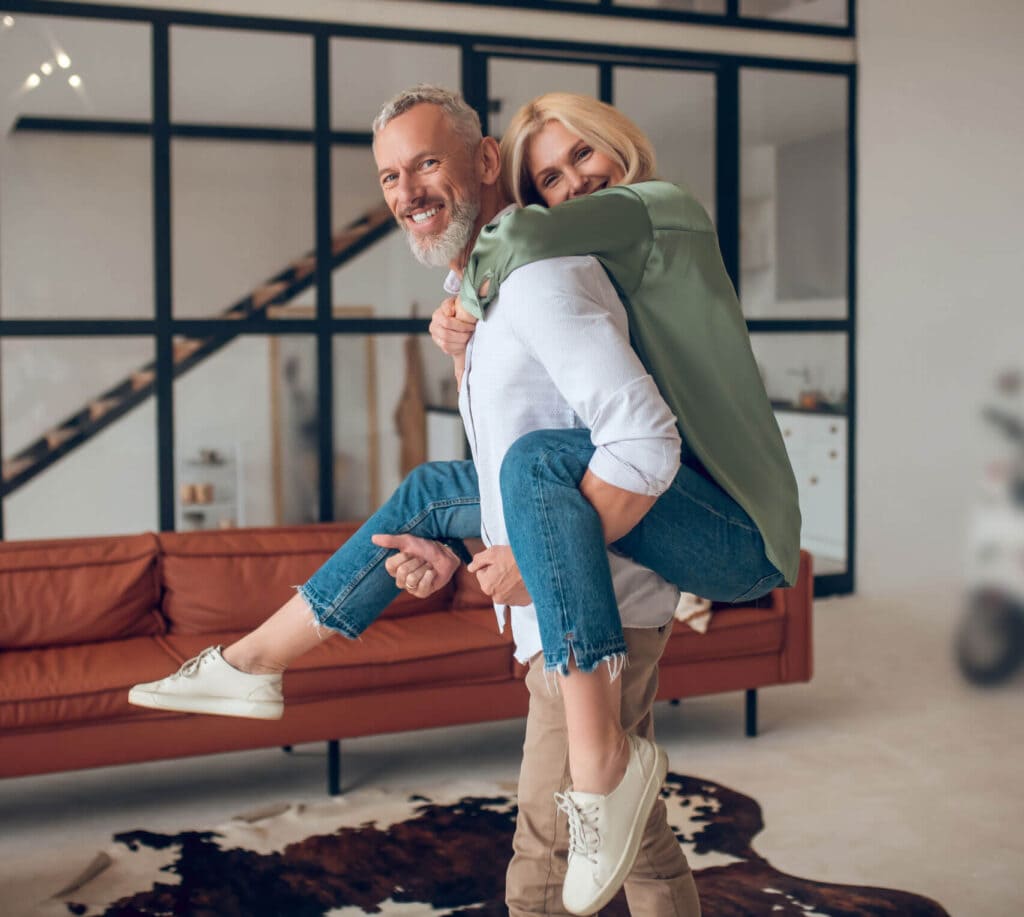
553	352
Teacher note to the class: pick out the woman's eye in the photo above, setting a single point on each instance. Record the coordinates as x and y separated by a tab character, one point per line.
549	180
583	153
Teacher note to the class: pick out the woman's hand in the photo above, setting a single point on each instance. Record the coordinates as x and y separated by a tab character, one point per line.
421	566
451	327
498	574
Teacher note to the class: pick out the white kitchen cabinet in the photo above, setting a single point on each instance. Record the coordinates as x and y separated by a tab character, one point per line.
817	447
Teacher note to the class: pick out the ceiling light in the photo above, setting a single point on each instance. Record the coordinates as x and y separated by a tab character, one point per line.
8	22
63	61
33	80
46	67
75	80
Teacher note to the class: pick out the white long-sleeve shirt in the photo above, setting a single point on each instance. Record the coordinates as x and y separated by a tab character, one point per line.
553	352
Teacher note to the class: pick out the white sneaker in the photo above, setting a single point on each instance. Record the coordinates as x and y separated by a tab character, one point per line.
605	830
208	684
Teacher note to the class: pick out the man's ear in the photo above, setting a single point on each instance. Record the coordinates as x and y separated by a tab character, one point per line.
490	161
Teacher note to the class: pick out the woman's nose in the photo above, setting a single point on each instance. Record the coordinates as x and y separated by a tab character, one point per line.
577	183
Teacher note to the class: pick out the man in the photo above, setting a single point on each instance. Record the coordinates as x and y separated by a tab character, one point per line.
441	180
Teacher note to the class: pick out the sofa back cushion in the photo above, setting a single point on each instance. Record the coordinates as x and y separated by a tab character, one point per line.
78	590
233	579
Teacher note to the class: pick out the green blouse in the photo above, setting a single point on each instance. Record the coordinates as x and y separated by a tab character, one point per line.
660	250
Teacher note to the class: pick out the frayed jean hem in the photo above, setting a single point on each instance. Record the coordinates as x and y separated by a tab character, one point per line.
325	616
588	659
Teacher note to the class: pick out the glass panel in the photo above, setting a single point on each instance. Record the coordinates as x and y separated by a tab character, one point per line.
229	76
394	409
56	390
365	74
794	194
513	83
676	109
716	7
820	12
236	446
806	378
243	212
80	201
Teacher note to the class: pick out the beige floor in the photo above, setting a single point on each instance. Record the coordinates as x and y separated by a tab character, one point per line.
885	770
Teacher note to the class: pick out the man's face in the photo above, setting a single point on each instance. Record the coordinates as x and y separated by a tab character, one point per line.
430	181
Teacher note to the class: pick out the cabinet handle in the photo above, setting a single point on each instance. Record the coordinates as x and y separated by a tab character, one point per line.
833	429
833	454
787	432
814	479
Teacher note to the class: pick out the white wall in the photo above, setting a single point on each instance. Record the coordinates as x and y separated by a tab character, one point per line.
941	197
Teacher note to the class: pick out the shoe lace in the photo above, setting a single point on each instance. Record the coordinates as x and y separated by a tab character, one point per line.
190	667
584	838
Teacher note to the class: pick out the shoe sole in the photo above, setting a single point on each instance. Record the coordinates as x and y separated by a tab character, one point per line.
215	706
652	790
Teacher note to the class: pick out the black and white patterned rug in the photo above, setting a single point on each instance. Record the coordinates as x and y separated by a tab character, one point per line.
442	851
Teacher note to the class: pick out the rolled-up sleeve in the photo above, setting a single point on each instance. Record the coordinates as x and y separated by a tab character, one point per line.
568	315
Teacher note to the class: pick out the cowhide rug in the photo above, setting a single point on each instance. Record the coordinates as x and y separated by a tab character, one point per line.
440	853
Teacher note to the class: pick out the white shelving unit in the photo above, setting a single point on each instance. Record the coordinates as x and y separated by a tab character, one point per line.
210	490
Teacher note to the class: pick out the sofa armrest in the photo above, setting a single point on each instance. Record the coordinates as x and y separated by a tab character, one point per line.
797	604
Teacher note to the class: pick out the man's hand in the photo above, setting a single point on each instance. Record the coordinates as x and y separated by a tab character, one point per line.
451	327
498	574
421	566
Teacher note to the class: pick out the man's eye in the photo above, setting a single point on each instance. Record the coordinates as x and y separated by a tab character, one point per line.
428	163
388	179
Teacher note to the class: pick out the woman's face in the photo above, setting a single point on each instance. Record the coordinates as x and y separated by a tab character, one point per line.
563	165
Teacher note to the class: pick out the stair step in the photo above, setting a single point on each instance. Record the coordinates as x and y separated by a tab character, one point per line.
304	266
101	406
142	378
185	348
56	438
13	467
262	295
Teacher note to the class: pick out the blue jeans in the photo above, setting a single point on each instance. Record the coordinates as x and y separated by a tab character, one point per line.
695	536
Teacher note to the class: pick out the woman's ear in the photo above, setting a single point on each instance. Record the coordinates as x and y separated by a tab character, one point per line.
490	161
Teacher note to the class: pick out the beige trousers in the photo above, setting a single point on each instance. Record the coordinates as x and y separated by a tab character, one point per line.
661	884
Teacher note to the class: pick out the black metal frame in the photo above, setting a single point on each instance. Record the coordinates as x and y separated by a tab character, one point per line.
475	50
731	18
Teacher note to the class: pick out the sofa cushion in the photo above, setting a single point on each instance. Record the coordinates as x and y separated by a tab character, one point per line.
77	590
444	647
733	631
233	580
69	684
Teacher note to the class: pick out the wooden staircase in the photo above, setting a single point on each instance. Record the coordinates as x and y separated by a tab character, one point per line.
103	410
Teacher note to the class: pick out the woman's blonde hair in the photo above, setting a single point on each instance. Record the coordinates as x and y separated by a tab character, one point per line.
605	128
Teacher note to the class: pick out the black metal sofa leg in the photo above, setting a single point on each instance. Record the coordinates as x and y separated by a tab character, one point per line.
333	767
752	712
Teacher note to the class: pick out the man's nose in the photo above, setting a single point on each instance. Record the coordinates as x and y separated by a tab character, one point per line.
410	190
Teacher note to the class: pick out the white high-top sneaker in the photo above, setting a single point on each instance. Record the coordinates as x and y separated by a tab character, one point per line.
605	830
208	684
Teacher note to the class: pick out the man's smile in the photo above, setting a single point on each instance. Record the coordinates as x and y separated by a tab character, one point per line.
426	218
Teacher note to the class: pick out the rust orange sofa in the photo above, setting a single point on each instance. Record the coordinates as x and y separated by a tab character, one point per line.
81	620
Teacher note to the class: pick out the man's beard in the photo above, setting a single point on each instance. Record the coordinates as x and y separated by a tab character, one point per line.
438	250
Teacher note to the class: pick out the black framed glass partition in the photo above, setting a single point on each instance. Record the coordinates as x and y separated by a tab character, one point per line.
237	319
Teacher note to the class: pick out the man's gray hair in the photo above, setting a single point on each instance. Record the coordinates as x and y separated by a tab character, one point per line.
464	120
